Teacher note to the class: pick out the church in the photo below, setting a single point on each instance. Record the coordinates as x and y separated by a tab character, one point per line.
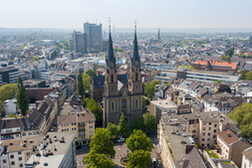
122	93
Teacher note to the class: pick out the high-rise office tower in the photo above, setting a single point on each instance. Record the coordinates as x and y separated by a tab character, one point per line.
94	38
78	42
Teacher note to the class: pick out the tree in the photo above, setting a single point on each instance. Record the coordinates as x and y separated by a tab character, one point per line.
138	124
249	75
80	86
22	99
243	116
101	142
139	141
150	123
2	111
139	159
123	126
225	58
145	102
91	72
149	88
113	129
8	91
85	101
217	81
94	107
86	82
96	160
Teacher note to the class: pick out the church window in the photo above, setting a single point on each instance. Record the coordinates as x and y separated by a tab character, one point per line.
112	78
124	104
136	103
136	76
112	106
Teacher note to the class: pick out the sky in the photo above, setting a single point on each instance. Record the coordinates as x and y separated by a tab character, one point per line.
70	14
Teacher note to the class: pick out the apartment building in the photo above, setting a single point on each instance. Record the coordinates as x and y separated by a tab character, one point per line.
212	65
247	158
231	146
55	150
177	146
81	123
202	127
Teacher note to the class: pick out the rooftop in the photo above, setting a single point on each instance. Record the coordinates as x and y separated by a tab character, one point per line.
248	153
228	136
233	65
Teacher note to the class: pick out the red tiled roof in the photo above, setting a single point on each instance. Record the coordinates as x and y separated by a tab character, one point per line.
228	136
217	63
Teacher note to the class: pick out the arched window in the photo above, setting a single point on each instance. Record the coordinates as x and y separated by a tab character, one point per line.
112	106
136	76
124	104
112	78
136	103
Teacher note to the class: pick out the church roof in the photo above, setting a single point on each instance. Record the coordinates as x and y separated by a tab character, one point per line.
135	52
110	56
99	80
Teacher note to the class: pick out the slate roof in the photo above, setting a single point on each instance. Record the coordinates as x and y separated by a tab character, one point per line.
99	80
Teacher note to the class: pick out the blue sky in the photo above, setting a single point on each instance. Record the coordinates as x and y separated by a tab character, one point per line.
148	13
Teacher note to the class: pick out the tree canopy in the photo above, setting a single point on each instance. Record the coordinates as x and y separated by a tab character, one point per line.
101	142
123	126
113	129
91	72
8	91
94	107
139	159
149	88
97	160
147	124
22	99
139	141
80	86
243	116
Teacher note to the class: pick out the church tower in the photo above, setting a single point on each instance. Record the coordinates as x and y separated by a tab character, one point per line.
111	72
135	85
135	82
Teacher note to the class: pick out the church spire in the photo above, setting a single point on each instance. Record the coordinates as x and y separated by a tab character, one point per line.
135	50
159	35
110	56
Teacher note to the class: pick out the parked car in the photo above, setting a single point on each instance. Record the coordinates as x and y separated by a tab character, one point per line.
120	140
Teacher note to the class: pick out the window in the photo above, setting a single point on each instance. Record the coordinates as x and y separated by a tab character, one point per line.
12	156
215	125
214	136
112	106
12	163
209	128
208	134
136	76
124	104
136	103
214	130
210	123
28	154
91	132
4	160
21	165
194	131
19	158
19	152
112	78
203	139
208	139
90	127
73	123
73	129
204	134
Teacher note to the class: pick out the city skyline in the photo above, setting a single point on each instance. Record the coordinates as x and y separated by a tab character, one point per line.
149	14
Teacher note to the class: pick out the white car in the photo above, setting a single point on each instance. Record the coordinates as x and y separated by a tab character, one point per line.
121	140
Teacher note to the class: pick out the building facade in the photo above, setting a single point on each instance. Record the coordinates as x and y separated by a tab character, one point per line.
93	37
122	92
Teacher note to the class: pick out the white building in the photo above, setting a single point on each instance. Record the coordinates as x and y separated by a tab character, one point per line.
10	106
247	158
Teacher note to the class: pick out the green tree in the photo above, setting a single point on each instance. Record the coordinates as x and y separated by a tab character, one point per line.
96	160
113	129
123	126
94	107
146	102
243	74
139	141
139	159
217	81
91	72
8	91
150	123
80	86
243	116
86	82
101	142
2	111
84	102
149	88
138	124
249	75
22	99
225	58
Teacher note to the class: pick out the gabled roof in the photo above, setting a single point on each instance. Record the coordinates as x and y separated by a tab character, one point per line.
228	136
